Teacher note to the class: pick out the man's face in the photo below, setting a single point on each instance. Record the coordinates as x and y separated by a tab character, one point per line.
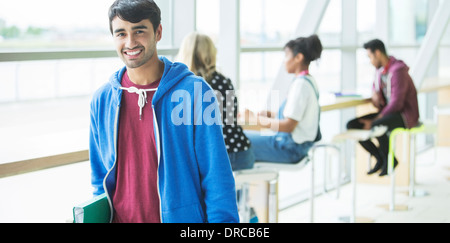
375	58
135	42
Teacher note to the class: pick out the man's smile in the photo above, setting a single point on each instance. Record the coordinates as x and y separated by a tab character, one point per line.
132	54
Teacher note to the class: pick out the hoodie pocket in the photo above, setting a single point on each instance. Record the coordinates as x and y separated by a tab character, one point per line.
186	214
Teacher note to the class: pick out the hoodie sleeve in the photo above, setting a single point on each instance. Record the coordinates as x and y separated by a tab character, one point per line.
98	170
217	179
398	91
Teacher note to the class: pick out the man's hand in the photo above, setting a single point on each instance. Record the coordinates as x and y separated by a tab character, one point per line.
367	124
377	100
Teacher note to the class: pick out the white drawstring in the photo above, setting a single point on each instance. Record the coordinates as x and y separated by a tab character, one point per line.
142	97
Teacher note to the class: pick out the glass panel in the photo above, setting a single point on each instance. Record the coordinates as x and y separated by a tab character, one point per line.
47	24
327	71
408	21
408	55
8	81
72	82
365	72
444	62
36	80
208	18
258	70
331	26
95	72
446	38
366	20
269	22
166	22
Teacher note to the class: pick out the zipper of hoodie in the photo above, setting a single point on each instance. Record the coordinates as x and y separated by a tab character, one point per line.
116	119
158	151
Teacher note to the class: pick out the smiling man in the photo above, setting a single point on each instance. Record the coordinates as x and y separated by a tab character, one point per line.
151	169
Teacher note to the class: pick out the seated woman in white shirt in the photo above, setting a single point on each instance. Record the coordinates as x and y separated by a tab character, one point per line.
297	121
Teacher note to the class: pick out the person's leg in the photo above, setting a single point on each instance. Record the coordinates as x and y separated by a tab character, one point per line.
242	160
277	149
357	124
368	145
392	121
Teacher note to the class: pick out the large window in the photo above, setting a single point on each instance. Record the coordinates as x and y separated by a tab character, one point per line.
408	21
268	22
331	25
366	25
444	53
266	26
366	20
54	24
44	24
208	17
46	27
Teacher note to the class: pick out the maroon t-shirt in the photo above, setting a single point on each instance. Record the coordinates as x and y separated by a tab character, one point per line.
136	199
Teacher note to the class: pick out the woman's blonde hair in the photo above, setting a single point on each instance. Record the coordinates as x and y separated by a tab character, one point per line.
199	53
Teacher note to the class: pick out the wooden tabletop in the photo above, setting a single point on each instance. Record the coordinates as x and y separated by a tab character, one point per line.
434	84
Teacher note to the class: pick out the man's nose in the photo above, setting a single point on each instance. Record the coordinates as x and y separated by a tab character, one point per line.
130	42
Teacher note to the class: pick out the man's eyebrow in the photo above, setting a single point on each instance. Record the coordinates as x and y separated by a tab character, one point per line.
139	27
119	30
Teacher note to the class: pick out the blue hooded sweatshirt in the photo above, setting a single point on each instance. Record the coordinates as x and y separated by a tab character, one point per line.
195	180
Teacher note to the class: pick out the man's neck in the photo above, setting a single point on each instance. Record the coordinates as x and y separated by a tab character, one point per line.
148	73
384	61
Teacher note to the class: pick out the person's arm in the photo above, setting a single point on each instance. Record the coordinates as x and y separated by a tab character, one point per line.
286	125
216	176
398	92
377	100
98	170
268	114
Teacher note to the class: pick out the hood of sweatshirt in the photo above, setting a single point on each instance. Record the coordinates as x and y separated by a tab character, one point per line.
174	72
396	65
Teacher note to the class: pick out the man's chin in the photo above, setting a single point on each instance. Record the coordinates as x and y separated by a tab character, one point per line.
132	65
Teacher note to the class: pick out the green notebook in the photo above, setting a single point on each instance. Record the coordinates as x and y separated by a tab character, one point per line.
96	210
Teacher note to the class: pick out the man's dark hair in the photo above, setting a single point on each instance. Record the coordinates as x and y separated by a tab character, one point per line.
135	11
374	45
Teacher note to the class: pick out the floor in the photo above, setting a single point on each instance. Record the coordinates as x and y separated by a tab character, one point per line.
432	177
49	195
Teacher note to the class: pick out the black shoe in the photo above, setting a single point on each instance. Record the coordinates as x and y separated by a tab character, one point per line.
377	167
384	172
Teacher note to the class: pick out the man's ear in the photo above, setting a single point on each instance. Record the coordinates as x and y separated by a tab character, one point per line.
158	33
377	53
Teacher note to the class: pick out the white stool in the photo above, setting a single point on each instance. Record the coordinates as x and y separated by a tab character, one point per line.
292	167
357	135
423	128
313	158
299	166
242	180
